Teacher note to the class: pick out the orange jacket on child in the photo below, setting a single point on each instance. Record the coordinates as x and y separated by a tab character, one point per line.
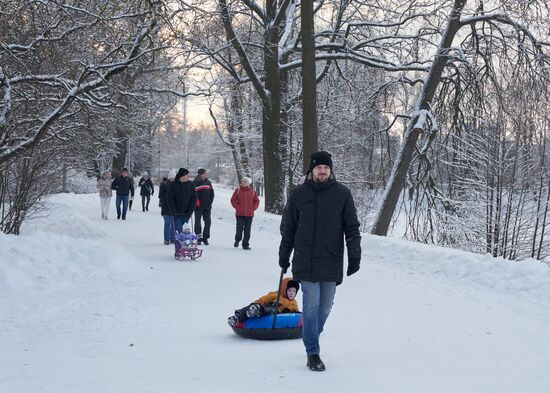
284	303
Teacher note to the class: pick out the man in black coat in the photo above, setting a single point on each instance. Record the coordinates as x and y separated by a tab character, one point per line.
124	186
205	197
181	198
164	208
317	216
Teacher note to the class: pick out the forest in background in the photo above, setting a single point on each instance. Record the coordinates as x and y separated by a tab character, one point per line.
434	112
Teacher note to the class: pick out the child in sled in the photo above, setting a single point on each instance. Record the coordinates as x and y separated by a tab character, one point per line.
267	303
187	238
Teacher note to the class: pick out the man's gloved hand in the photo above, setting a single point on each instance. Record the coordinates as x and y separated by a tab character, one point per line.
284	264
353	266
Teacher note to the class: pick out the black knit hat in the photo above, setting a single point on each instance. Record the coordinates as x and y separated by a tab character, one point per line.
320	158
201	171
182	172
293	284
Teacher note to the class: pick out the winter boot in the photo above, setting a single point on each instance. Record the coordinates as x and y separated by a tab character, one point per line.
232	320
240	315
236	244
254	310
205	242
314	363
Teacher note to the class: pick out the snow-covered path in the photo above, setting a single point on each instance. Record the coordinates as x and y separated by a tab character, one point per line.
88	305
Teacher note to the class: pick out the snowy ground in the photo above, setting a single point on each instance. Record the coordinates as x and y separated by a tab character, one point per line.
88	305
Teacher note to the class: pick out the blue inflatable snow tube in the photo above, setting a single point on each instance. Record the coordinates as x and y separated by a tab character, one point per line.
287	326
285	320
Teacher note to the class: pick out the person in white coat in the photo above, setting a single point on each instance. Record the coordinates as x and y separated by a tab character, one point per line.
105	193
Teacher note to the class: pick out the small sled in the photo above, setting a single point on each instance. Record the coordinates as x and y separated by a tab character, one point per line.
287	326
187	252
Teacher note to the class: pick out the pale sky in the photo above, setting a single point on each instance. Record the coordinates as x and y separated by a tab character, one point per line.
197	111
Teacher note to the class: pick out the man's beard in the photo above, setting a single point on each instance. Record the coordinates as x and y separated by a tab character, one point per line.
320	180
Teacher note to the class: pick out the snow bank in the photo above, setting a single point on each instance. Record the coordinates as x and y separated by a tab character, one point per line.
529	278
66	214
47	259
62	246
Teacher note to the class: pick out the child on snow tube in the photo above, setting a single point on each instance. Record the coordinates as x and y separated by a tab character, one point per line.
267	303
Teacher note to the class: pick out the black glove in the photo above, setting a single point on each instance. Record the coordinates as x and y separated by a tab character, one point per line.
353	266
284	264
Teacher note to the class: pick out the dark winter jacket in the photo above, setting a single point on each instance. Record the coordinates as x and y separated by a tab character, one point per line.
316	217
146	185
245	200
124	186
205	193
181	198
163	194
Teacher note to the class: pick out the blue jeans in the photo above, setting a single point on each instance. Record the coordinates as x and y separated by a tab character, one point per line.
318	298
124	200
168	232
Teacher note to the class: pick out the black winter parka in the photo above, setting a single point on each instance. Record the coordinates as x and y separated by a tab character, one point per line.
163	194
205	193
315	220
147	187
124	186
181	198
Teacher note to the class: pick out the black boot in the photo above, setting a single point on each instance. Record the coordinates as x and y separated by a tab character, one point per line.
315	363
241	314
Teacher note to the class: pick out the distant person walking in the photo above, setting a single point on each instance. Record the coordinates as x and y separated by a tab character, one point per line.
245	201
146	190
181	199
164	208
124	187
318	214
205	197
105	193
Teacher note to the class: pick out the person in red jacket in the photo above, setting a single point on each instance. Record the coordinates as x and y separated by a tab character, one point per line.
245	200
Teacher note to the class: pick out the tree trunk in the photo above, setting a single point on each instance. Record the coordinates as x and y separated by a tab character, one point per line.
271	108
309	83
122	150
404	157
233	118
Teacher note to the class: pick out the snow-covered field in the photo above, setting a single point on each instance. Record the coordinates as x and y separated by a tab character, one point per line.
88	305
